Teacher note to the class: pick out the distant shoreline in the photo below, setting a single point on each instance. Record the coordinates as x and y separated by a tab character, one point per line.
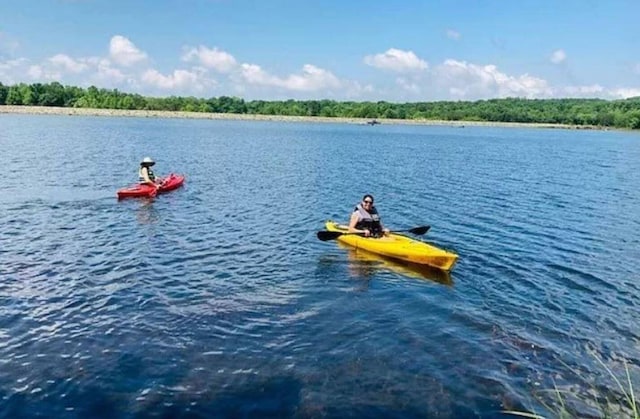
50	110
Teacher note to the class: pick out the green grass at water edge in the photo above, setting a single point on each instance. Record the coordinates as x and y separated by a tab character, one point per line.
567	403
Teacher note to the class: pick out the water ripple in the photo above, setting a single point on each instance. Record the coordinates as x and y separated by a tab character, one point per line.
217	299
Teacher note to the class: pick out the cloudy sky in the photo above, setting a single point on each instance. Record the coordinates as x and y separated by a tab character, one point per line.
400	51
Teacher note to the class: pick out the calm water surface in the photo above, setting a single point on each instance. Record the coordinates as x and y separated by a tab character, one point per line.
218	300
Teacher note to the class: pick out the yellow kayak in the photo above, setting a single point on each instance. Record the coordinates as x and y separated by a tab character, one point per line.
398	247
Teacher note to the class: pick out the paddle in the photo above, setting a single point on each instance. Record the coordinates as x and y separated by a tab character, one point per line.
332	235
160	182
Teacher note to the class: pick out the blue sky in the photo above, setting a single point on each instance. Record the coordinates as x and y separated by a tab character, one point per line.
399	51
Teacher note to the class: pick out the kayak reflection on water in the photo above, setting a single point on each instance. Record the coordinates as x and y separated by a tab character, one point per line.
365	264
147	214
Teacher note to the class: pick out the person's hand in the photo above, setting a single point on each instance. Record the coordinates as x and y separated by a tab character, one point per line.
366	232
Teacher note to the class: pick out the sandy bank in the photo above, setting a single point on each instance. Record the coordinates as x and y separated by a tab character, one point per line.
46	110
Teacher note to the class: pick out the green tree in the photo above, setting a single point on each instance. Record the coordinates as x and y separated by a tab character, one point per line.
27	94
52	95
617	113
4	90
14	97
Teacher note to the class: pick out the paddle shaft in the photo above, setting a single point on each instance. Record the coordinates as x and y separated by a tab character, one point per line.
331	235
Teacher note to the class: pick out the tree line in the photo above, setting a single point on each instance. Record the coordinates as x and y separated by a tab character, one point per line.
624	113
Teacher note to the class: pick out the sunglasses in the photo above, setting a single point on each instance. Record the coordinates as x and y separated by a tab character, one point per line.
367	202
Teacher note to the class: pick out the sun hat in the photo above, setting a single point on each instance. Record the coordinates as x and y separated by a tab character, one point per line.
147	161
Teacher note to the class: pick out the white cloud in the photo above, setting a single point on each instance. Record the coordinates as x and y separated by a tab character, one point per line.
455	35
65	69
123	52
106	73
68	63
471	81
179	79
216	59
624	93
410	86
414	78
254	74
468	81
12	71
558	56
355	90
37	72
594	90
11	64
311	79
396	60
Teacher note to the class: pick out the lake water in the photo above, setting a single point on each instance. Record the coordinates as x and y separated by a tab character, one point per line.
217	300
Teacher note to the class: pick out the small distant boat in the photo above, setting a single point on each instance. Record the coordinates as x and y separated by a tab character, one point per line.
373	122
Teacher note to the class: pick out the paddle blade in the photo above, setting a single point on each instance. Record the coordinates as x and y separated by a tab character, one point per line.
418	231
328	235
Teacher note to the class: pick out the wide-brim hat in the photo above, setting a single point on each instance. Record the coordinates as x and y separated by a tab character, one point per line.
147	161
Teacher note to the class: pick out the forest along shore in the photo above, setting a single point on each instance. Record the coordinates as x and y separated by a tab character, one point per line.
50	110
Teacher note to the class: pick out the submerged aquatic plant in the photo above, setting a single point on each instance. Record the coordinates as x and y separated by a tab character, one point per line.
601	402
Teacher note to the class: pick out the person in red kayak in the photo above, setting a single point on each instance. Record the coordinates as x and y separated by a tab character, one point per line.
146	175
365	219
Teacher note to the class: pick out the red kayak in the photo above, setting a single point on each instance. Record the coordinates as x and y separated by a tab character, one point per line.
169	183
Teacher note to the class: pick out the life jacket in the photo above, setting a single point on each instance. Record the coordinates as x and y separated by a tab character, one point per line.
369	220
152	176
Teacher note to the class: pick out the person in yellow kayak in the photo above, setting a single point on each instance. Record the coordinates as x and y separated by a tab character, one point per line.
366	220
146	175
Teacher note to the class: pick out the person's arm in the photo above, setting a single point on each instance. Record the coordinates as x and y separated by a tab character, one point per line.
352	225
385	230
